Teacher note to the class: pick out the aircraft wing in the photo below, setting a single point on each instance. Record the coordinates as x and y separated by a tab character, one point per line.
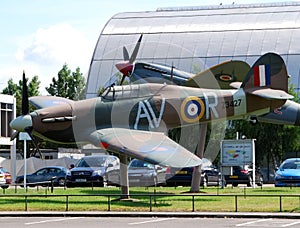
220	76
153	147
48	101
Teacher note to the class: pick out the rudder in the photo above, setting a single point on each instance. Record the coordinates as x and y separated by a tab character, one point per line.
269	71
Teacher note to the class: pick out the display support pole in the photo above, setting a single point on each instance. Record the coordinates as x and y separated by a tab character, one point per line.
24	136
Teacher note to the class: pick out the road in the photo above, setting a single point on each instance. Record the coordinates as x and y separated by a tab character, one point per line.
136	222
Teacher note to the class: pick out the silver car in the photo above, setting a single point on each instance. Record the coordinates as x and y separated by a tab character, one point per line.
141	173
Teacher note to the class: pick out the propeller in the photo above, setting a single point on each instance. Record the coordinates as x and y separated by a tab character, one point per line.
126	66
23	123
25	105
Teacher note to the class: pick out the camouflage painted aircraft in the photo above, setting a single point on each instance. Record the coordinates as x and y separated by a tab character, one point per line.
127	119
220	76
217	77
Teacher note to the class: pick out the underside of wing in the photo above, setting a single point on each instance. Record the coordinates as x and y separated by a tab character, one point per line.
48	101
153	147
220	76
268	93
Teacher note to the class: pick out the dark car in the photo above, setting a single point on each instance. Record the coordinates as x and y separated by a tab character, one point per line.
5	177
141	173
98	170
45	175
288	173
243	175
210	176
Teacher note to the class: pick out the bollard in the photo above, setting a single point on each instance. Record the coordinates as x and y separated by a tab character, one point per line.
67	203
108	203
236	204
150	203
193	203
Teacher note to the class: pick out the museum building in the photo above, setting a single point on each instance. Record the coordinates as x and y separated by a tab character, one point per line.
193	39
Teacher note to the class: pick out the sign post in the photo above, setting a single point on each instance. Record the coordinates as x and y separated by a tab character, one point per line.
24	136
238	152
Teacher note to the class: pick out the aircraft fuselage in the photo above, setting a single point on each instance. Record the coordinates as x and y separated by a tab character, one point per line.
153	107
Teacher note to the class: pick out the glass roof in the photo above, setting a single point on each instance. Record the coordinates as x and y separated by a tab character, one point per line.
196	38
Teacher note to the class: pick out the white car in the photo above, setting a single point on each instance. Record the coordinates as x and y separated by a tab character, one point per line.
2	179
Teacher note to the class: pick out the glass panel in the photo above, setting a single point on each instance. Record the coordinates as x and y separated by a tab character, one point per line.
269	42
241	43
283	40
215	44
294	70
101	47
256	41
294	45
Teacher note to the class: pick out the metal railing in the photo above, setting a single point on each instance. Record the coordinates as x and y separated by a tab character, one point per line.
152	198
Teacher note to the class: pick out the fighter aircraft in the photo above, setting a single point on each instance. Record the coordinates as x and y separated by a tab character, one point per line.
127	119
220	76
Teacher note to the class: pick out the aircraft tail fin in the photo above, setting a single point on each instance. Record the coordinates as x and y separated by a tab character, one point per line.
268	78
268	71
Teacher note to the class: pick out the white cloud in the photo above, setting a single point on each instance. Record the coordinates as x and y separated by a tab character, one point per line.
58	44
45	52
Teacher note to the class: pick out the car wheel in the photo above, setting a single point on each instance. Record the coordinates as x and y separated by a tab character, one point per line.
105	181
22	183
61	182
260	182
205	182
155	181
5	186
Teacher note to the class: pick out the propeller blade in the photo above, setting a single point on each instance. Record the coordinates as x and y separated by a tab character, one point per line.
28	130
125	54
136	50
172	72
25	105
122	80
14	135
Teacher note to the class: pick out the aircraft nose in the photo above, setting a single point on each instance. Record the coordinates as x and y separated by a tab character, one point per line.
21	122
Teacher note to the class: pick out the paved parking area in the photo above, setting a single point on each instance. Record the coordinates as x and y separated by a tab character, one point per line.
172	222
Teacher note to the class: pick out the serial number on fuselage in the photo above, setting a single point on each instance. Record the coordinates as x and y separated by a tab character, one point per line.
233	103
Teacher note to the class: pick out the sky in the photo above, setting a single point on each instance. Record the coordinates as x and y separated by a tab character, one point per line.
40	36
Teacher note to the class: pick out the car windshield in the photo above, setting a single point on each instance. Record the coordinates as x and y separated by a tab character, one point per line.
3	170
91	162
140	164
294	164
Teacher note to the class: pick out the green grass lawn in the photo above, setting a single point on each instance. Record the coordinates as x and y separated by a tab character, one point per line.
211	199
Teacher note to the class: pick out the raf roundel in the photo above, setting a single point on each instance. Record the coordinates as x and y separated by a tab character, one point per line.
192	109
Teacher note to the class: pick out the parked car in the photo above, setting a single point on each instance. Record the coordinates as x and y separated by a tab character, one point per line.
96	170
243	175
288	173
44	176
210	175
5	178
142	173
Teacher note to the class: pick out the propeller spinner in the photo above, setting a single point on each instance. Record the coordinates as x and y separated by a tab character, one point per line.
126	66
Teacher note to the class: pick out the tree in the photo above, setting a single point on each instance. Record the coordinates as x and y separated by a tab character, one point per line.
69	84
16	90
